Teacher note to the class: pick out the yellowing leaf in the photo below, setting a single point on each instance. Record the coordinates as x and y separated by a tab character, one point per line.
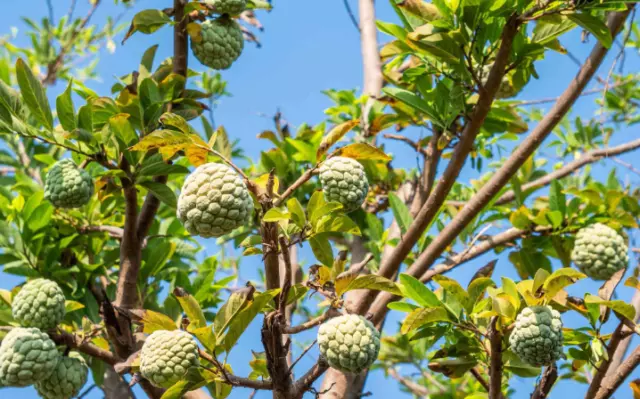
153	321
372	282
191	307
559	279
363	151
195	32
334	135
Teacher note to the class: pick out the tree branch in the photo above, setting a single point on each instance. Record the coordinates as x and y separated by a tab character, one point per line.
416	389
586	158
458	158
613	382
307	325
495	368
72	341
306	381
603	368
546	383
621	351
232	379
371	63
485	246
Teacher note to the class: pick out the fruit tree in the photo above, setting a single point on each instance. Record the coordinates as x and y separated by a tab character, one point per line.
437	227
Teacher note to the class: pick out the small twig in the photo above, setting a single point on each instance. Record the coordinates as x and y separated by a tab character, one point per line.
415	388
232	379
305	382
286	284
416	146
311	323
87	391
352	16
306	176
304	352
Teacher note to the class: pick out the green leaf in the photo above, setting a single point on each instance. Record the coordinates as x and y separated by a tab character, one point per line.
557	199
147	21
402	307
413	101
276	215
400	212
412	288
40	217
372	282
422	316
337	224
594	25
34	94
66	110
191	307
242	321
236	302
161	192
322	250
559	279
297	212
618	306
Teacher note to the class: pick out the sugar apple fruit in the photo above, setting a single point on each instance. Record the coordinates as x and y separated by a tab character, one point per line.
221	43
228	6
68	186
350	343
343	180
537	336
66	380
166	357
214	201
599	251
40	303
27	355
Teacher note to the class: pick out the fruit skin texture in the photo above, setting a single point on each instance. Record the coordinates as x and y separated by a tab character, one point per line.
228	6
537	336
214	201
166	357
40	304
68	186
66	380
221	43
343	180
27	355
599	251
350	343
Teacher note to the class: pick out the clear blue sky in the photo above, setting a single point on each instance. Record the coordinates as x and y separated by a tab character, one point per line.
308	46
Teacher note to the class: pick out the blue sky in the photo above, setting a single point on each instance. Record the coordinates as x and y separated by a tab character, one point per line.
309	46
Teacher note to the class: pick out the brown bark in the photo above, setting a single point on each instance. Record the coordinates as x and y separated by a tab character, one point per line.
603	368
623	346
547	381
613	382
495	367
115	387
371	64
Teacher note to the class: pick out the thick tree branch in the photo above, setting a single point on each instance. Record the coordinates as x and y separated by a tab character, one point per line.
371	63
495	368
613	382
430	208
73	341
306	381
621	351
521	153
545	384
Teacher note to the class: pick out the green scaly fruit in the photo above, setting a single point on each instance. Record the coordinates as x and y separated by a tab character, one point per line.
214	201
220	43
343	180
232	7
599	251
537	336
67	379
68	186
27	356
349	343
40	303
167	356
